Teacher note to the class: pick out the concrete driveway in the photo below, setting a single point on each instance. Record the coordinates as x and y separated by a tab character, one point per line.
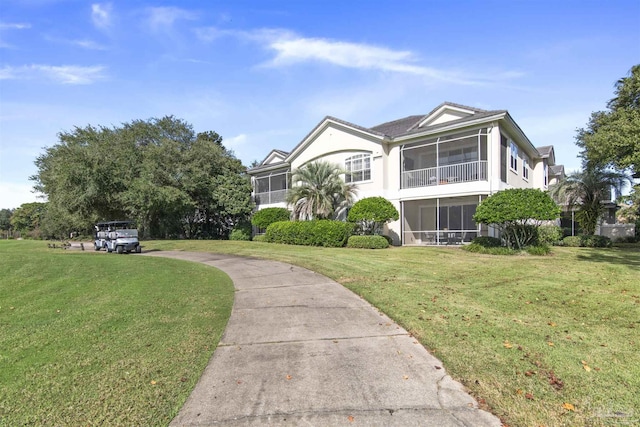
300	349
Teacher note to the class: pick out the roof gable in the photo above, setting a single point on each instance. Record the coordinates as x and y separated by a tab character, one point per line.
275	156
447	112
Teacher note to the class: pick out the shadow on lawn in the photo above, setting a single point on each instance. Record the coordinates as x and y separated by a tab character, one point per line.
618	255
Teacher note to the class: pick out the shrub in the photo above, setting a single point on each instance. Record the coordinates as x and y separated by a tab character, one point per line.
265	217
367	242
587	241
487	242
388	239
310	233
517	213
477	248
540	249
241	232
372	213
571	241
549	234
259	238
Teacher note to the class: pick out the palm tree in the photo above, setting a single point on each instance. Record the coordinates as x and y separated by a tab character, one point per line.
586	190
319	192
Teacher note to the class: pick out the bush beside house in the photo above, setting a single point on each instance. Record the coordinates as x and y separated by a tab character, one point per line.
371	213
328	233
265	217
368	242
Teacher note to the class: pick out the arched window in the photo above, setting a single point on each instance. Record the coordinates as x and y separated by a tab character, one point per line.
358	168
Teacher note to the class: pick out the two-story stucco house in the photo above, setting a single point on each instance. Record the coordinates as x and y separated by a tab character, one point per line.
435	168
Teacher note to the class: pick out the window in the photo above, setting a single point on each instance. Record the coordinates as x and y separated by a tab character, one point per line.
514	157
503	158
525	167
545	172
358	168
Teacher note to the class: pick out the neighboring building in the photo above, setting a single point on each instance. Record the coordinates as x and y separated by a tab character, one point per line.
434	168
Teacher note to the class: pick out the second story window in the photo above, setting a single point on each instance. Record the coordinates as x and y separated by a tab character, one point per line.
525	167
514	157
358	168
545	172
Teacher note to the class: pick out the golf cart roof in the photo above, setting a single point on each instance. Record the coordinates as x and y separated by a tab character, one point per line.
114	223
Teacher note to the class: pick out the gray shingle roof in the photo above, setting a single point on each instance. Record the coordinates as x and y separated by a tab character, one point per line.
397	127
545	151
556	169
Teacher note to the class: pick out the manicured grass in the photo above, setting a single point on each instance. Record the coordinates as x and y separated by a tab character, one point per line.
102	339
525	334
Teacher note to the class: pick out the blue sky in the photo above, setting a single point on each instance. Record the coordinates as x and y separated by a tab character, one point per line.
263	73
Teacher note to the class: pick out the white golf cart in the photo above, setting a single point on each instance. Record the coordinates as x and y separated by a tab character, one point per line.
118	236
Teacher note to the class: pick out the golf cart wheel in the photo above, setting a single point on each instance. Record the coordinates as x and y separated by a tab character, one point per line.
119	249
96	247
109	249
138	249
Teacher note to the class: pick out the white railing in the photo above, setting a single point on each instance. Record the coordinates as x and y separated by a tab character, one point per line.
270	197
461	172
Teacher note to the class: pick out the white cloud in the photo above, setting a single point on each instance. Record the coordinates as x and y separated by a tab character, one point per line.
13	195
101	15
14	26
291	48
65	74
235	141
162	18
11	26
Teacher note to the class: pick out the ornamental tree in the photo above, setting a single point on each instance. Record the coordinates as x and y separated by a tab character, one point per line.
372	213
517	213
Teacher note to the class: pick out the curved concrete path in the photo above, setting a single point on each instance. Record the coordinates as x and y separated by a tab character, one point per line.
300	349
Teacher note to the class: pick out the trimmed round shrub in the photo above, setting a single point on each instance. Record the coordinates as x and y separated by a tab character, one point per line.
265	217
372	213
310	233
487	242
571	241
259	238
367	242
549	234
241	232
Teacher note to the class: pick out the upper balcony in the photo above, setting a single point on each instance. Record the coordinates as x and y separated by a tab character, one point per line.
445	160
449	174
271	188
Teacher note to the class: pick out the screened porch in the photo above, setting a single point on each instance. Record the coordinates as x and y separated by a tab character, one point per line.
271	188
442	221
460	157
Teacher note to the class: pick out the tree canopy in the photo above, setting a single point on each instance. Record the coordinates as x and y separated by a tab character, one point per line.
586	190
517	213
612	138
156	171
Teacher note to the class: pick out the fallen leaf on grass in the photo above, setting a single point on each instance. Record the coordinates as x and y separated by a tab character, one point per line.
518	391
529	396
568	406
550	344
585	366
153	382
507	344
552	324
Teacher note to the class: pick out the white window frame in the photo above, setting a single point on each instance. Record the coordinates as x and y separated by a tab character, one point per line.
513	158
365	159
545	171
525	167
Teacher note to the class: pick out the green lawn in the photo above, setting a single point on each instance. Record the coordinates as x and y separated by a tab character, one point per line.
525	334
102	339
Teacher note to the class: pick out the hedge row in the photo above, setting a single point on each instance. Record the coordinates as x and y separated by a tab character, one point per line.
310	233
368	242
590	241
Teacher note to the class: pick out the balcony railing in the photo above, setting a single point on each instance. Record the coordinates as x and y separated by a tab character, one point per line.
270	197
461	172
